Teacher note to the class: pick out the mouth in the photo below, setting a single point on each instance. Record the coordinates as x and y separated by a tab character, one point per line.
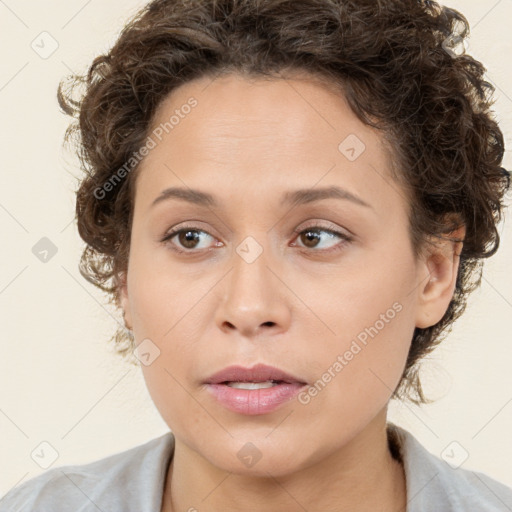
250	391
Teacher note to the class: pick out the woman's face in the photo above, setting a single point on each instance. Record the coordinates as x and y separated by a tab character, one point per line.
245	287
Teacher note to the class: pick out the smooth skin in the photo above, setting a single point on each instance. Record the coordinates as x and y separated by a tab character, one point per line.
297	306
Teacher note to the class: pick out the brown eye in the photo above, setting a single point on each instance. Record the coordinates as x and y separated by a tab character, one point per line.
312	238
188	239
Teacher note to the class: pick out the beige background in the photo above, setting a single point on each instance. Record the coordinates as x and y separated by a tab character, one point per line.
60	383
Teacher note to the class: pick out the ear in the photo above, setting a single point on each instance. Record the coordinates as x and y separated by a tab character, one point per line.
124	300
439	268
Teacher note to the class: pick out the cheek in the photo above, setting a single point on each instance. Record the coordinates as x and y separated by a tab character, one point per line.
162	296
167	309
356	375
372	320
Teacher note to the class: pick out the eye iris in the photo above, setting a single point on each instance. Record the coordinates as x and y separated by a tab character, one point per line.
185	237
310	236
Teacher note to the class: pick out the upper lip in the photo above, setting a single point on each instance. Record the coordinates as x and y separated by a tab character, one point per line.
258	373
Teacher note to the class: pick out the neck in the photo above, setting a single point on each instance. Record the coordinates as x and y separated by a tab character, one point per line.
361	476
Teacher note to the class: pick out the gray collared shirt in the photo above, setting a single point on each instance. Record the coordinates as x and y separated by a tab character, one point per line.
133	481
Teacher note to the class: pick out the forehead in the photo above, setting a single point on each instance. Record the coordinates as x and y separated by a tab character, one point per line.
266	134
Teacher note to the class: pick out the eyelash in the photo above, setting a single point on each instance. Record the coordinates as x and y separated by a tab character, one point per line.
315	228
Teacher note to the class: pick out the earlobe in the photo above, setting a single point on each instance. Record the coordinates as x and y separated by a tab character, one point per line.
441	266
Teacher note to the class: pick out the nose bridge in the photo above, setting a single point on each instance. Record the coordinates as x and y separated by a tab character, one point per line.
251	279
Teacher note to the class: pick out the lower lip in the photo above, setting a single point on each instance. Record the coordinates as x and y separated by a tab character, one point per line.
255	401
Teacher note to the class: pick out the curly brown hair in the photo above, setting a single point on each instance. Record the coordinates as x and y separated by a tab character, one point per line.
391	59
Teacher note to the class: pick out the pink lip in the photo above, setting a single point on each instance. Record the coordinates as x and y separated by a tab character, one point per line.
258	373
253	401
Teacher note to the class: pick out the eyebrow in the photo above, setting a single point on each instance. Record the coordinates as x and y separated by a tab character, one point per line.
292	197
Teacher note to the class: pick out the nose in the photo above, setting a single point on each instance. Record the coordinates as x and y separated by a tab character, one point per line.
254	300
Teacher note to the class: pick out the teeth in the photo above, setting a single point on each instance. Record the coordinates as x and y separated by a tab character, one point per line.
252	385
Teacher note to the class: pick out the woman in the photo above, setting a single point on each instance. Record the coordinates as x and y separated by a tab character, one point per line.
290	202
